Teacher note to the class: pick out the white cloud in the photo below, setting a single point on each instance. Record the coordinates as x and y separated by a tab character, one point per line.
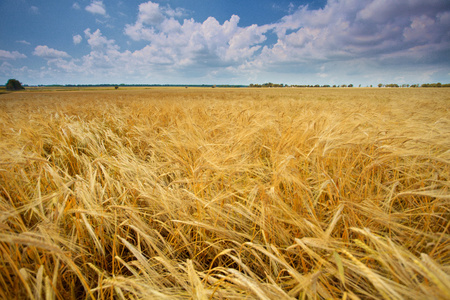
174	13
5	68
96	7
34	10
98	42
49	53
11	55
208	44
23	42
76	6
348	30
150	13
77	39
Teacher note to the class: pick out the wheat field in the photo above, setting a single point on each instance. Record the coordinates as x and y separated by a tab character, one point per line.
169	193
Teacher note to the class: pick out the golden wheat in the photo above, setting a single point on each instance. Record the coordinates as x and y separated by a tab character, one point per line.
225	194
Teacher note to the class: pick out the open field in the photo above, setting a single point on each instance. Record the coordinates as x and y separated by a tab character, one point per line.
173	193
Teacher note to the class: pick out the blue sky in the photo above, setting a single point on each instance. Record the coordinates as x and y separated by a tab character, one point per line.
225	42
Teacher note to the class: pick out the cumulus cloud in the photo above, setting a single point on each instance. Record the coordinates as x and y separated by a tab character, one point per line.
150	13
77	39
343	30
96	7
189	42
97	41
75	5
349	30
11	55
104	60
49	53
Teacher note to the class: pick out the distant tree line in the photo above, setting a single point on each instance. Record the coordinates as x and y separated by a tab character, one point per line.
415	85
389	85
435	85
268	84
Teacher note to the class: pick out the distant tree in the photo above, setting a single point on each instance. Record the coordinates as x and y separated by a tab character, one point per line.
14	85
434	85
350	85
380	85
116	87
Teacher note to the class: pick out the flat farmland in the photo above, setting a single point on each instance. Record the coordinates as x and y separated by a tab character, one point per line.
202	193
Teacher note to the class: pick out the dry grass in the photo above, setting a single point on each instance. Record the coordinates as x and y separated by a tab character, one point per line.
225	194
